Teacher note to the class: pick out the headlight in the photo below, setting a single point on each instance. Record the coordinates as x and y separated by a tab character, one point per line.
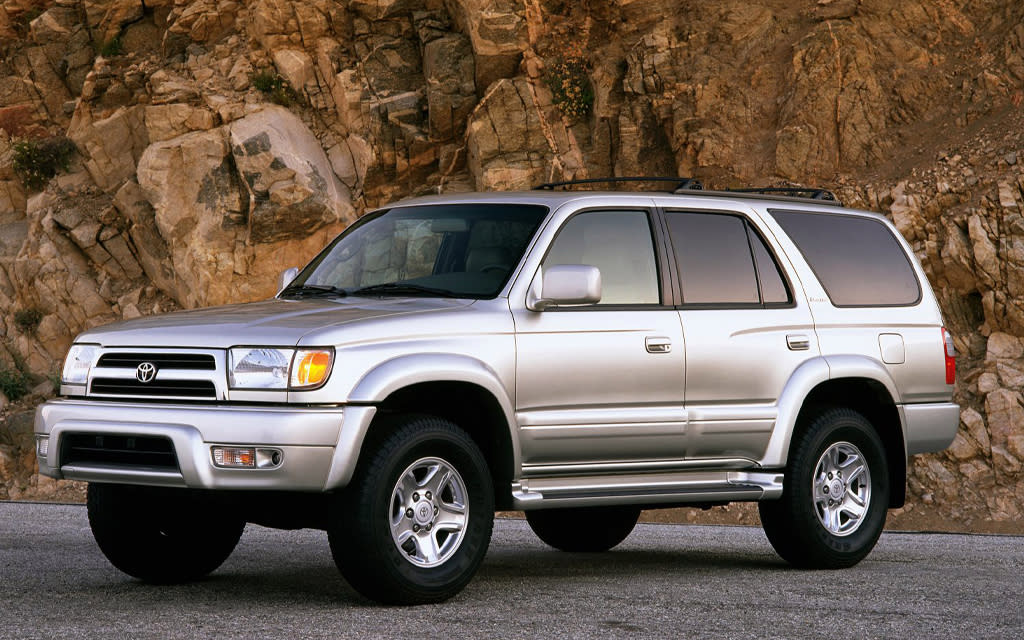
271	368
259	368
78	363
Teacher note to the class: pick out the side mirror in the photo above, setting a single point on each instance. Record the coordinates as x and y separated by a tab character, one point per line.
286	278
564	285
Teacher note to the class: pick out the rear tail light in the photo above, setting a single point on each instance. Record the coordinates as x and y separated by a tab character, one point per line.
950	353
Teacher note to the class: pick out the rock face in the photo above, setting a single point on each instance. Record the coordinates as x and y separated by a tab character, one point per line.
219	142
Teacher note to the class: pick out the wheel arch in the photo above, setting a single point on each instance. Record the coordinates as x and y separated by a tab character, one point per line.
460	389
859	383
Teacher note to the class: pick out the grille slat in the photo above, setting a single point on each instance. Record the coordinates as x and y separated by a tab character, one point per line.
193	361
160	388
131	451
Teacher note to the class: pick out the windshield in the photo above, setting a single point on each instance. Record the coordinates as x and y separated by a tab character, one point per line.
449	250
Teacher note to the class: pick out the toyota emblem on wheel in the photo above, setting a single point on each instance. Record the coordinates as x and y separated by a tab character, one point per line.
145	372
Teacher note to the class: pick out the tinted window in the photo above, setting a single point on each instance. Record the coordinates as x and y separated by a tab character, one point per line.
858	260
619	244
714	258
773	285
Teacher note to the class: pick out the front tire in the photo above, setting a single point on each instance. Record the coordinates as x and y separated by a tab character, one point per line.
833	507
415	523
160	536
587	529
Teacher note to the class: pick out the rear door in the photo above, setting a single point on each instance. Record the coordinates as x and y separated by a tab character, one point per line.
745	328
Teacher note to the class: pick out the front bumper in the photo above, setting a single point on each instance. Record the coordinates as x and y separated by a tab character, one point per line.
319	445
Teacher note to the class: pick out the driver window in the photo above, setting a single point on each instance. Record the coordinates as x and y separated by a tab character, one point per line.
619	244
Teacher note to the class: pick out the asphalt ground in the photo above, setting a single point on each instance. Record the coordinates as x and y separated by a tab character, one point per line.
664	581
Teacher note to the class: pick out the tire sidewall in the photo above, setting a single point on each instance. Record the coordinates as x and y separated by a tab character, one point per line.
845	430
460	567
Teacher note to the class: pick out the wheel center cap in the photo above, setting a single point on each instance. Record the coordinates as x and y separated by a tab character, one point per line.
838	489
423	512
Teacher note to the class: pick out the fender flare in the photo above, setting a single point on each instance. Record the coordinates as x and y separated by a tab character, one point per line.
400	372
809	375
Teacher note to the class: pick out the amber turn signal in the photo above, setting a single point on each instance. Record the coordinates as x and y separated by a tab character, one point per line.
311	368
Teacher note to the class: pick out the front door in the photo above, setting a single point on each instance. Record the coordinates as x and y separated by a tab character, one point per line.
600	387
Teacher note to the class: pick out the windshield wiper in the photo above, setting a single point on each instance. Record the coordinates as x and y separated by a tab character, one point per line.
313	290
406	288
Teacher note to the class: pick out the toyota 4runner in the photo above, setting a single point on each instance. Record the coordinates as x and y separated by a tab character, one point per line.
576	355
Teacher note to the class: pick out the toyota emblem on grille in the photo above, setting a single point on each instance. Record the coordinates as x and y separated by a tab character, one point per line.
145	372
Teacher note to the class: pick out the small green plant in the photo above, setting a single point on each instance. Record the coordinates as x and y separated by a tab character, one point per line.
570	83
275	87
13	384
27	320
36	161
112	47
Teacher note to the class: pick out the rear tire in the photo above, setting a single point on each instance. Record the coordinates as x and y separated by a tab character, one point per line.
415	523
586	529
160	536
836	494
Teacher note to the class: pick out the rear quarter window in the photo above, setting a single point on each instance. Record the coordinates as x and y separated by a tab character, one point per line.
858	260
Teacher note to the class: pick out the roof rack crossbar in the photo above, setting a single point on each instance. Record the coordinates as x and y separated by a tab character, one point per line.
681	184
806	192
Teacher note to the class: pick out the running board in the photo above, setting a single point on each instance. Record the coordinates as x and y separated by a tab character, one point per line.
646	489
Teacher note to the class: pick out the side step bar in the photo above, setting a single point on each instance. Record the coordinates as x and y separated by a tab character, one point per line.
646	489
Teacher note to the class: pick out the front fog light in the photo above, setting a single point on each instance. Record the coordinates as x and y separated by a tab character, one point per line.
244	457
247	457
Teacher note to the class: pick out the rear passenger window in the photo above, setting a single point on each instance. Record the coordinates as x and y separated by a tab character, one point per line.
858	260
722	261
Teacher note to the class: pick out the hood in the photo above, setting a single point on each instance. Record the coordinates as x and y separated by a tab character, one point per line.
272	323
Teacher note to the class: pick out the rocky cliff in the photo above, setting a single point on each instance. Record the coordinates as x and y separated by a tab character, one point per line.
160	154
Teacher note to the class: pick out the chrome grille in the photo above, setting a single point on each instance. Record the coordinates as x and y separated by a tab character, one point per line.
193	361
159	374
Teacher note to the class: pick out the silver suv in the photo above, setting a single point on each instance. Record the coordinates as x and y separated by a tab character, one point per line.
576	355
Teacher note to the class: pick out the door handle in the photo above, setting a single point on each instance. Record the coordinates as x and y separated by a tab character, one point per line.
798	342
658	344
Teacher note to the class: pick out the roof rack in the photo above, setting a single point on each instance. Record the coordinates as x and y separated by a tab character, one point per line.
681	184
695	187
795	192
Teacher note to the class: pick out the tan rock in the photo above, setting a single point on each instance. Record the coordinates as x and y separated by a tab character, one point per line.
12	199
977	473
1008	195
164	122
1004	413
168	87
297	68
112	145
1002	346
962	448
499	34
350	160
975	424
205	20
506	141
1004	461
985	255
293	189
448	67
